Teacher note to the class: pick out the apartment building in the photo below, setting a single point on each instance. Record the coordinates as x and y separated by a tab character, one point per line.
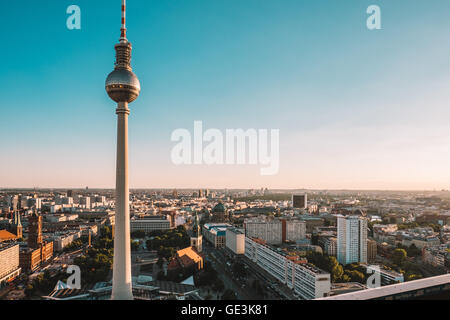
304	279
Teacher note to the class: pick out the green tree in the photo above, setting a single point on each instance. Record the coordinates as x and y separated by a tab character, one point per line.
355	276
399	256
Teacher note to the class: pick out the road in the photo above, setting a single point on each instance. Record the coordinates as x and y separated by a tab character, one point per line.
226	277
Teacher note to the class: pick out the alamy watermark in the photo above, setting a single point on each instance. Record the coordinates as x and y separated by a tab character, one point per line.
374	281
73	22
234	146
74	281
374	20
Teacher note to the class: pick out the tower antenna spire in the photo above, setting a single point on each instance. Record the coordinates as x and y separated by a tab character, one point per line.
123	29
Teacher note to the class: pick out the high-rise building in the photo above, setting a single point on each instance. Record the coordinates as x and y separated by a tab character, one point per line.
86	202
293	230
122	86
351	239
271	231
300	201
9	262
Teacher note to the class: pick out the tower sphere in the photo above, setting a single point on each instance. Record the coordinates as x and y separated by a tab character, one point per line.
122	85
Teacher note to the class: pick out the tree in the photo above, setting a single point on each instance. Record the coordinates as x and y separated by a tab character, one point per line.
355	276
399	256
336	273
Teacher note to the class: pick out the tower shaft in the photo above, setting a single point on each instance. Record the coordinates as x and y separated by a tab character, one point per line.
122	284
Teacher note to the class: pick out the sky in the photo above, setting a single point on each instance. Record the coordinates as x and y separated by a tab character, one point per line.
355	108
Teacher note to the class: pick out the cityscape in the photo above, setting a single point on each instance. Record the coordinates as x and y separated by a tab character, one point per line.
382	234
224	244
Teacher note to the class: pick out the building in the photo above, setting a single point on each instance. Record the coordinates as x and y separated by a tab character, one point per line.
304	279
312	222
387	276
9	262
215	233
63	240
197	238
436	255
235	240
300	201
329	245
270	231
351	239
149	223
16	226
219	213
371	250
34	231
293	230
6	236
186	261
37	251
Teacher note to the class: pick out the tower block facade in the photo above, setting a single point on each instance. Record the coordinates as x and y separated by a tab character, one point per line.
123	87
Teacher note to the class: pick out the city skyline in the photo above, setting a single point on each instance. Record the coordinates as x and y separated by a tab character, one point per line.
356	109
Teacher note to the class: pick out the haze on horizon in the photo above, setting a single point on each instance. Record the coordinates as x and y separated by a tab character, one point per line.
356	109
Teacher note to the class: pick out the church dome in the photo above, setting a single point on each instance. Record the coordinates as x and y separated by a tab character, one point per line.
219	207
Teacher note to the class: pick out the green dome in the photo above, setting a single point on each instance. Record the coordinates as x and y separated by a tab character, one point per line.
219	207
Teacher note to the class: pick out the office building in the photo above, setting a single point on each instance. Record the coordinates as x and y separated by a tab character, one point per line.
9	262
268	230
304	279
215	233
235	240
293	230
351	239
300	201
149	223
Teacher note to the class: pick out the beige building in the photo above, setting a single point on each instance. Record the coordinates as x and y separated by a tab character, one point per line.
235	240
9	262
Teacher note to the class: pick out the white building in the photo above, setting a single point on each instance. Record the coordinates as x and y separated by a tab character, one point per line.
270	231
85	202
351	239
9	261
235	240
215	233
304	279
295	230
61	217
149	223
63	240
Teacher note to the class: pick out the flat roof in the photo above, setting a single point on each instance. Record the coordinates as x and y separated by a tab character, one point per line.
393	289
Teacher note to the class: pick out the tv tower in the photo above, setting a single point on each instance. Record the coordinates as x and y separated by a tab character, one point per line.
123	87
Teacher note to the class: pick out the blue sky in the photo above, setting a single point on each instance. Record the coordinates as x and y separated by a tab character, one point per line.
356	108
